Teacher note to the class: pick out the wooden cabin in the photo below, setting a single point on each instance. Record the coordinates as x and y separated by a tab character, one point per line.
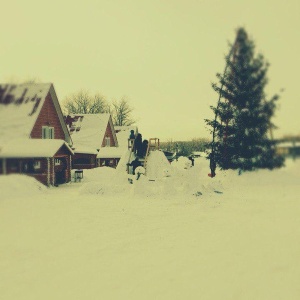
34	138
92	135
49	161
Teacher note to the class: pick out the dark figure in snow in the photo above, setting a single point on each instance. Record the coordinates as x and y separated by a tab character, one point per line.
144	147
192	160
134	164
138	145
132	138
212	165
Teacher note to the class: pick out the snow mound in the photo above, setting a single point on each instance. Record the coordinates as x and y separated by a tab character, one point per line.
182	163
98	174
18	186
104	181
140	170
122	164
165	181
157	165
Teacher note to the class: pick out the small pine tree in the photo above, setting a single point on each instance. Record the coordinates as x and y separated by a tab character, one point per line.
243	116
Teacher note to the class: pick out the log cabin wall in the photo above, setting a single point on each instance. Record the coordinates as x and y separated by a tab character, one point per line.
84	161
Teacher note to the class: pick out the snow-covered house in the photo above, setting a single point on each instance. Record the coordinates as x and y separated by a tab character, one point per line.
49	161
288	149
95	140
34	138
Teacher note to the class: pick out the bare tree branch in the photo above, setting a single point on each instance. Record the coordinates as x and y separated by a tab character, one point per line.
122	113
83	103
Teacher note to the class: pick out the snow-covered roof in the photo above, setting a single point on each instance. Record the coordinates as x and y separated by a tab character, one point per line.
20	148
125	128
111	152
20	106
124	133
88	130
85	150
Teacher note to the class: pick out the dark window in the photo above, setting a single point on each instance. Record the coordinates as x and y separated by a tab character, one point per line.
81	161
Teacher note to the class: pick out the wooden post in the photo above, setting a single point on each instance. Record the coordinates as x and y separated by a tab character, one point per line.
53	173
48	171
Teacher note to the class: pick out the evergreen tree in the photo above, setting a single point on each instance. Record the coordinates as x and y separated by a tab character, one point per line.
243	114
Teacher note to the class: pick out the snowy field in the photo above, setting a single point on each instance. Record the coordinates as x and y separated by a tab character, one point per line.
179	235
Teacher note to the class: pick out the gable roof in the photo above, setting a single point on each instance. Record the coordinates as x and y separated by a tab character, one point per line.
123	133
20	106
127	128
88	130
111	152
23	148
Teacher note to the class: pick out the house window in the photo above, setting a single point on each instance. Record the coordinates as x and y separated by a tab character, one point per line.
47	132
57	162
51	132
37	164
105	163
14	165
107	141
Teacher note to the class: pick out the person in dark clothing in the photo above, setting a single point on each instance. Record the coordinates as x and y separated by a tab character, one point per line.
212	165
144	147
138	145
192	160
132	135
134	164
131	138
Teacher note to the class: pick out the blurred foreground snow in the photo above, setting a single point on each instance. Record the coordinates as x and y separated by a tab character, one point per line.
181	235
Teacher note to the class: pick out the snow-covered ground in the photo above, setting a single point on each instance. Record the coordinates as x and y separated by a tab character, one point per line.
181	235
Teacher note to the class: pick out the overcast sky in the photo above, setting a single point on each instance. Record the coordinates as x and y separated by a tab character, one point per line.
163	55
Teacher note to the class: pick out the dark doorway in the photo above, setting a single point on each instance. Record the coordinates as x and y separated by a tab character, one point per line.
60	177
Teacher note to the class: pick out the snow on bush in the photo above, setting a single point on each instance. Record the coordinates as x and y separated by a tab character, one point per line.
18	186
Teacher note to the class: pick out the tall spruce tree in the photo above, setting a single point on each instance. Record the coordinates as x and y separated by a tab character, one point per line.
243	114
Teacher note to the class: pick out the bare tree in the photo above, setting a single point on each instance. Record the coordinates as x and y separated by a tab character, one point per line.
121	112
99	104
83	103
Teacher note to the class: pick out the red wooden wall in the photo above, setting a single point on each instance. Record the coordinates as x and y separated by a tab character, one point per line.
48	117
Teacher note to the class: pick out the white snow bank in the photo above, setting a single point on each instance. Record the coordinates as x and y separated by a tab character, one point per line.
182	163
122	164
242	244
97	174
157	165
19	186
161	181
104	181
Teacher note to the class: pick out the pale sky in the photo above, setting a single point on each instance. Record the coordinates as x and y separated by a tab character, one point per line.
163	55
